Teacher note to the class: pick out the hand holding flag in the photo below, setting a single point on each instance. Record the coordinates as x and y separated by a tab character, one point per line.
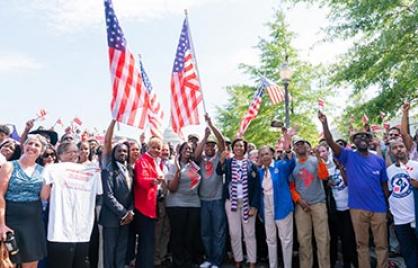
40	115
365	119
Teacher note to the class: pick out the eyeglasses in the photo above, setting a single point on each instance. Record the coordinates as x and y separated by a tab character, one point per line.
72	152
46	155
394	134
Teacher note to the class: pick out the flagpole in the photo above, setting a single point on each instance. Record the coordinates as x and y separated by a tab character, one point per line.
195	58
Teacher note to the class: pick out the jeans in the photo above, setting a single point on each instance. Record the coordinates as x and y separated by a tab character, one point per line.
408	241
213	230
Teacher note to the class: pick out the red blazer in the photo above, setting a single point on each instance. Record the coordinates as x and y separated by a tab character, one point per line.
145	191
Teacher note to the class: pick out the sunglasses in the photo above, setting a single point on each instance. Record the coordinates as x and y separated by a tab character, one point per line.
46	155
361	136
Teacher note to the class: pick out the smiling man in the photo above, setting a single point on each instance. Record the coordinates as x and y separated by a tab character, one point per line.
367	187
403	178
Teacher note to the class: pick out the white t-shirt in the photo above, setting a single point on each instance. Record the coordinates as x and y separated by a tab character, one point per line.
338	187
401	200
72	200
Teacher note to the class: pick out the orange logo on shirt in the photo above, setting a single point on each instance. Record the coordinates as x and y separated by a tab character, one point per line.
306	177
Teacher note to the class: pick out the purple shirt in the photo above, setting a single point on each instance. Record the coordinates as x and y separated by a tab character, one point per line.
365	175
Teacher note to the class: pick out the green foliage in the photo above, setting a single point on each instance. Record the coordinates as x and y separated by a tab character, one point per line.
273	51
383	57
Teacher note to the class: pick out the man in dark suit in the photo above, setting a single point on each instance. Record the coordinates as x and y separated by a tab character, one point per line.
117	211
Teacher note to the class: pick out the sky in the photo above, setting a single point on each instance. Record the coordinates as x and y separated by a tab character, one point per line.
53	54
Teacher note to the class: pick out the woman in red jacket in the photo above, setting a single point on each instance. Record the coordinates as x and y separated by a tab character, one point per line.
148	176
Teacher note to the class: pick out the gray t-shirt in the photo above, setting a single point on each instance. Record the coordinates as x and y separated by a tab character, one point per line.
211	185
308	184
187	191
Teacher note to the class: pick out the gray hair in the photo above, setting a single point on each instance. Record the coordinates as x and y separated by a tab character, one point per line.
41	139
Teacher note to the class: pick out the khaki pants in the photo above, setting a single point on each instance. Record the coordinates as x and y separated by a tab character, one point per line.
362	221
285	228
318	218
162	234
235	222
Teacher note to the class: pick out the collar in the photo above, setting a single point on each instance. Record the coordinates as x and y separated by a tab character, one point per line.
121	166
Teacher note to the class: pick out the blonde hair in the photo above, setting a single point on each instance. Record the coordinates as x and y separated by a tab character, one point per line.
155	139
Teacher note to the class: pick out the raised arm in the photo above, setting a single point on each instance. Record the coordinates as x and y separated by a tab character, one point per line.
327	134
107	148
405	126
201	145
28	127
219	137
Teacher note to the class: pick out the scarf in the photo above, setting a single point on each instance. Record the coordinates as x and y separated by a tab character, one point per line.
242	178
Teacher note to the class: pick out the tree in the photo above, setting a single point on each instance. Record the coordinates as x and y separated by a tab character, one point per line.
382	62
273	51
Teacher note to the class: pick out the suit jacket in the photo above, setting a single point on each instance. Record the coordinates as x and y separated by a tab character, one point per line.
117	197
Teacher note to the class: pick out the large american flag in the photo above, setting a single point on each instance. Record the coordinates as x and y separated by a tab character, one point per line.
155	112
275	92
252	111
129	98
186	92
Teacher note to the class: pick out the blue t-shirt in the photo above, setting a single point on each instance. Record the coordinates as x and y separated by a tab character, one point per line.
365	175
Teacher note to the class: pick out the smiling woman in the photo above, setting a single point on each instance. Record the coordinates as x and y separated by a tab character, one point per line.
21	182
10	149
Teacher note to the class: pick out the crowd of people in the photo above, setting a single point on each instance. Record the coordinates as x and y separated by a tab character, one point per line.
154	204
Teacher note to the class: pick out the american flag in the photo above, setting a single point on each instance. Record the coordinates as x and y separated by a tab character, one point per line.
41	114
77	120
365	119
186	93
155	112
252	111
275	92
321	104
59	122
129	98
375	128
